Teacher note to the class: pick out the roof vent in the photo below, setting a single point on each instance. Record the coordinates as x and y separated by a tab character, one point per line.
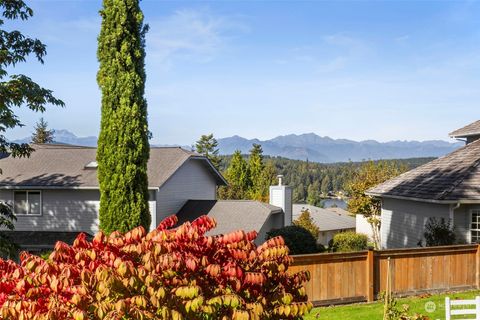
91	165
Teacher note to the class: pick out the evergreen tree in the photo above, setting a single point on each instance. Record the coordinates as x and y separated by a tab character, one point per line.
314	197
238	177
256	168
305	221
207	145
123	147
42	134
326	185
269	177
299	193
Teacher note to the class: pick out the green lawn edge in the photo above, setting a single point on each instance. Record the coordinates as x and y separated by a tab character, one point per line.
375	310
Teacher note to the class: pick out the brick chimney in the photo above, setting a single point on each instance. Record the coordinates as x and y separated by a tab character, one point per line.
281	196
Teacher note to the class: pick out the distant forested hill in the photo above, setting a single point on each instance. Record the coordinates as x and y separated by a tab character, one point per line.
311	179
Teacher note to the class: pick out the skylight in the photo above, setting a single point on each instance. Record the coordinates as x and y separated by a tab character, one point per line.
91	165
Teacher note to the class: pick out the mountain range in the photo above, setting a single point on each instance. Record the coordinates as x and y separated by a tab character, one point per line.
309	146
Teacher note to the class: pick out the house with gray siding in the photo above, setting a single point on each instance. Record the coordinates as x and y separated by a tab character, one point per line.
448	188
55	194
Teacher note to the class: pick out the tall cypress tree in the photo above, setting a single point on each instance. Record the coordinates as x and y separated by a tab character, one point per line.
123	148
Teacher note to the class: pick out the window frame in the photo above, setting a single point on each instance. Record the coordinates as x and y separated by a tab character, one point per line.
28	205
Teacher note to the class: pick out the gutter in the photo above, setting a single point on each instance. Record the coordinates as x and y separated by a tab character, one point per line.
57	188
455	202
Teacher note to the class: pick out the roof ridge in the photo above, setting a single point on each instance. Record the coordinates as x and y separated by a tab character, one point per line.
439	159
60	146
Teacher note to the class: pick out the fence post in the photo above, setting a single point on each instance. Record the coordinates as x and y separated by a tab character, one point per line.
370	276
477	266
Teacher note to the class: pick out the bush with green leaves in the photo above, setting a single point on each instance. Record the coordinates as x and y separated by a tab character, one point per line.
349	242
298	239
439	232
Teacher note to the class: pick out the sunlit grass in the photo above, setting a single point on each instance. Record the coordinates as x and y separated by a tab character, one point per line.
375	310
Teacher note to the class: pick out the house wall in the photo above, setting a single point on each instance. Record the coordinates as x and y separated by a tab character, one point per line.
461	222
362	226
63	210
403	221
274	221
192	181
325	236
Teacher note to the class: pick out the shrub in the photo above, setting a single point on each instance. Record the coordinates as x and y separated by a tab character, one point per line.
166	274
299	240
305	221
349	241
438	232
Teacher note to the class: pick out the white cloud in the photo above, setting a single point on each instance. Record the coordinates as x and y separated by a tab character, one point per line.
192	34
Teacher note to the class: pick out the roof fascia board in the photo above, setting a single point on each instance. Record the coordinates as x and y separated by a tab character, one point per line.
57	188
464	135
461	201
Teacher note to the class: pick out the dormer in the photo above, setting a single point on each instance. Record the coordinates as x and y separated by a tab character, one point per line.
470	133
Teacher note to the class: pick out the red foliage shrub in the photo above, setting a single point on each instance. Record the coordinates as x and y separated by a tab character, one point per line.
169	273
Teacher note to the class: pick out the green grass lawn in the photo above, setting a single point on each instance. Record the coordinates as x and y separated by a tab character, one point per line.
375	310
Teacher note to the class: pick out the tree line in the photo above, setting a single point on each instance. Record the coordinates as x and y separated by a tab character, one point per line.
312	181
250	175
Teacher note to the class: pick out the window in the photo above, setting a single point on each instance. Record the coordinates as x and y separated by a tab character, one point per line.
475	227
27	202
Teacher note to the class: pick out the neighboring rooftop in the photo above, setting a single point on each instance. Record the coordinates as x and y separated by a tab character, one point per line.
473	129
231	215
68	166
326	219
452	178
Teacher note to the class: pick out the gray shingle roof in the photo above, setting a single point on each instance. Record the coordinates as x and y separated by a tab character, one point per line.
63	166
454	177
231	215
326	219
470	130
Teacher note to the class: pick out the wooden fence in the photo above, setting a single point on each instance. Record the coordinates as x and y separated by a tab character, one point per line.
360	276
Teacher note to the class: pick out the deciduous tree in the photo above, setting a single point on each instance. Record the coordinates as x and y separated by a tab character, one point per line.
123	147
17	90
367	176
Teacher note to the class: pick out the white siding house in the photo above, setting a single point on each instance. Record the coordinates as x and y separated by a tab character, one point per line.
55	195
446	188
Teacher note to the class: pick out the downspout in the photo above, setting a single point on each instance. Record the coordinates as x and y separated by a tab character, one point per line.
452	210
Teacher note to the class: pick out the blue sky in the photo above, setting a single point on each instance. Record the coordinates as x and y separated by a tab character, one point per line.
395	70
